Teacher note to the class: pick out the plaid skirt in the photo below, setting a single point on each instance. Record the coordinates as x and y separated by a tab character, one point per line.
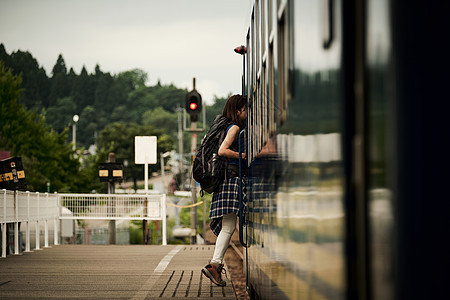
225	201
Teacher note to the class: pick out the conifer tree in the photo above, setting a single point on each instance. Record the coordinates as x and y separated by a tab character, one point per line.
80	90
34	78
59	82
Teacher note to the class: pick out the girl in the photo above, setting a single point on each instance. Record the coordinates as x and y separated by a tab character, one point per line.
225	202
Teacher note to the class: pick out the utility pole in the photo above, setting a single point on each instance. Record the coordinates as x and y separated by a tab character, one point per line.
193	185
180	148
111	207
193	190
193	106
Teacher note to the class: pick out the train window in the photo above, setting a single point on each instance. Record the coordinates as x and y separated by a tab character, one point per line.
260	80
265	133
258	115
252	91
271	91
255	122
253	52
263	27
256	37
249	61
270	16
282	69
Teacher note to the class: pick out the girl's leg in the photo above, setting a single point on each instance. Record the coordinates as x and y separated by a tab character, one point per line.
223	240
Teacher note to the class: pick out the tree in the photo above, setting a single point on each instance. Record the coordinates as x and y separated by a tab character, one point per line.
215	109
87	126
60	66
4	56
120	114
59	82
133	79
139	101
161	119
169	97
35	82
82	90
104	83
45	154
60	115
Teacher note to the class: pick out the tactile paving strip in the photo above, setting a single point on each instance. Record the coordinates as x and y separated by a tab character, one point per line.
180	281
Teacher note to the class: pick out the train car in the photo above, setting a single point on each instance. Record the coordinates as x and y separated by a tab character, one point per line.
347	164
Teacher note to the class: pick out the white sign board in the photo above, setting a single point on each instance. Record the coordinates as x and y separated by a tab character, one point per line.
145	150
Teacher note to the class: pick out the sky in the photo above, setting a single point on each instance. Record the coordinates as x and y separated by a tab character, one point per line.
173	41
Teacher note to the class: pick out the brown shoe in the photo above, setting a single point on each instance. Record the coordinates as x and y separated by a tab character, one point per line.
214	273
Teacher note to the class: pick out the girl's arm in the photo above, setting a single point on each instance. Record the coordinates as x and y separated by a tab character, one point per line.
224	149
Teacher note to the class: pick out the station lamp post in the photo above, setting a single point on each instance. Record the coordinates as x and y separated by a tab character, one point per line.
74	131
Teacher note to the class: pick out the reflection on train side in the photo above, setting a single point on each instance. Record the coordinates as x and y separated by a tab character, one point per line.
296	217
381	228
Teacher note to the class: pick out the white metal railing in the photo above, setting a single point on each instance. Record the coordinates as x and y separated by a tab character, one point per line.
116	207
26	207
113	206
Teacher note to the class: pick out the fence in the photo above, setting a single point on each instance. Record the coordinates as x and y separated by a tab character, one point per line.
26	207
116	207
113	206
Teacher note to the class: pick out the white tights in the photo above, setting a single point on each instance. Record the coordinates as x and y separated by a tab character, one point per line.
223	240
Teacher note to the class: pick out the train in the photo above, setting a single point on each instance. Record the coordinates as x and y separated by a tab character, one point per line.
347	157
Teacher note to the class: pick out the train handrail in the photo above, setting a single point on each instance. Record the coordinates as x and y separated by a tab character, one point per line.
241	206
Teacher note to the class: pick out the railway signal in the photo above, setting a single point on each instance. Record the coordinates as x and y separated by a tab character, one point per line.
193	104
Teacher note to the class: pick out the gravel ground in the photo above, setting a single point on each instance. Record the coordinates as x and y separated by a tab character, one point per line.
234	263
235	270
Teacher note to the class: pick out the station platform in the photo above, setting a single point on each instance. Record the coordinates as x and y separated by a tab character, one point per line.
111	272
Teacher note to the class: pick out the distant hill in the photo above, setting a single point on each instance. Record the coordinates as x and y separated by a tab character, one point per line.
99	99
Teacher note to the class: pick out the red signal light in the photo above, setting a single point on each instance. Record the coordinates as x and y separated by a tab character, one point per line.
193	106
241	50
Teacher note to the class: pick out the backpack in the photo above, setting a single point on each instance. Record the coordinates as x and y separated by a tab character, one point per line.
209	169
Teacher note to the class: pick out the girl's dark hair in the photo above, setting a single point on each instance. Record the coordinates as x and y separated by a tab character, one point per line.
233	104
